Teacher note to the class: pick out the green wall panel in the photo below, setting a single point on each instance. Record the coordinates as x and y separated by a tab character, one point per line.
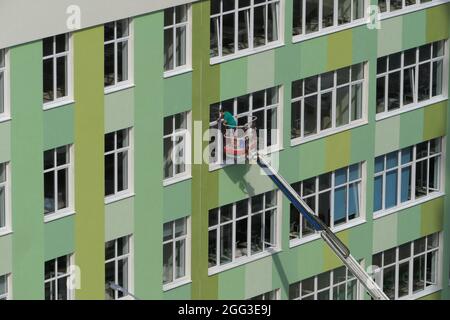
119	111
5	141
119	219
435	121
437	23
177	200
58	126
339	49
178	94
432	216
59	237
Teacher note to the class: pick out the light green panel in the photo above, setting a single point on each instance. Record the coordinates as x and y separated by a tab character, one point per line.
432	216
387	135
258	277
339	49
59	237
179	293
437	23
177	200
338	150
390	36
232	284
242	181
433	296
361	147
291	70
119	110
414	33
233	76
411	127
304	161
58	126
119	219
5	138
435	117
364	43
360	248
177	94
6	254
409	224
261	71
385	233
317	51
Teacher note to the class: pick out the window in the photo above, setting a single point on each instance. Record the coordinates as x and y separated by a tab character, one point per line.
243	25
4	197
57	273
117	57
395	5
58	181
2	81
337	284
271	295
177	39
409	268
4	287
176	145
335	197
117	162
117	267
56	68
242	229
261	107
407	175
311	16
407	78
326	102
175	250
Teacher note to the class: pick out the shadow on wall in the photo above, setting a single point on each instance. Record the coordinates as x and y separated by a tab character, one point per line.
237	175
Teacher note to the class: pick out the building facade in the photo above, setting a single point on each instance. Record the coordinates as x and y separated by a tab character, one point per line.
94	109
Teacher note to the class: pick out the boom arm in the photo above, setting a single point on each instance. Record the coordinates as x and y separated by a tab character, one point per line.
339	248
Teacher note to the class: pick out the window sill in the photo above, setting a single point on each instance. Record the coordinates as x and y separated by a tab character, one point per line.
176	284
334	29
126	298
176	72
407	205
329	132
119	87
423	293
245	53
240	262
57	104
388	114
5	118
297	242
5	231
170	181
118	197
417	7
57	216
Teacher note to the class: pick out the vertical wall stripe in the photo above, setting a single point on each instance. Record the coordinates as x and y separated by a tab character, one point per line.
89	162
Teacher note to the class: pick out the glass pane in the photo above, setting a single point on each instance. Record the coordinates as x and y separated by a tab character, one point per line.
168	17
324	181
272	22
391	189
228	34
294	291
50	269
403	279
294	223
109	31
358	9
181	46
48	78
339	292
212	248
122	275
122	246
62	288
2	91
419	273
340	205
396	5
339	275
310	114
226	243
325	110
110	250
344	11
256	233
424	81
421	178
61	77
49	192
419	245
408	86
340	176
437	78
122	171
353	201
381	62
63	189
378	193
214	37
109	78
297	27
404	251
47	46
181	13
323	280
50	290
325	207
259	26
2	207
167	262
433	177
122	61
312	16
269	229
122	28
180	227
405	184
241	245
381	94
327	13
109	141
307	286
167	231
389	282
431	268
109	174
180	259
61	43
342	106
393	91
110	294
357	96
168	158
168	49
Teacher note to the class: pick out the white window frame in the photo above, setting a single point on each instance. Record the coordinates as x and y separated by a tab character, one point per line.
415	104
276	146
267	249
57	102
333	129
408	9
67	274
188	23
7	185
5	115
251	49
335	27
8	294
412	164
117	195
59	213
187	240
270	295
130	257
438	271
130	67
186	134
294	241
349	277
